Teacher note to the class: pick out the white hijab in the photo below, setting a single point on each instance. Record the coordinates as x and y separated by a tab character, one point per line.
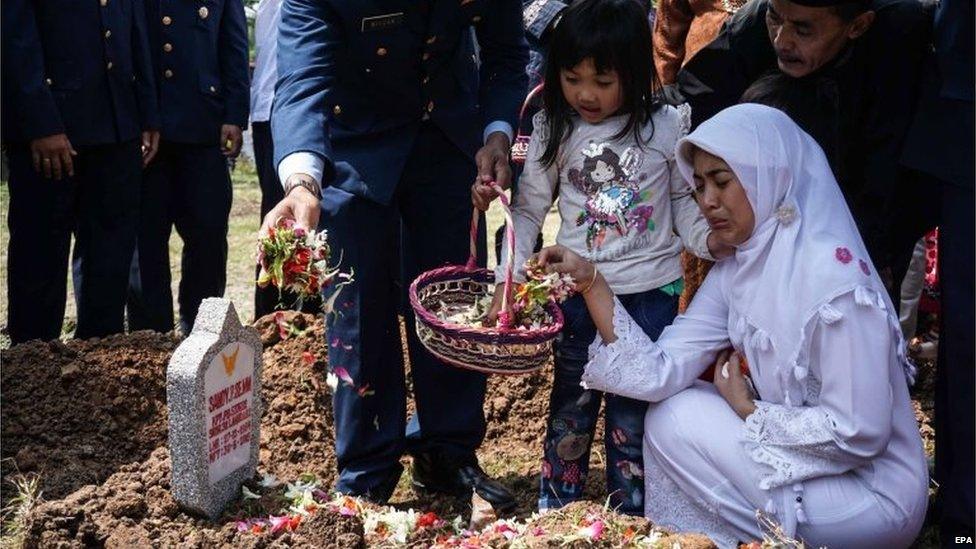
805	250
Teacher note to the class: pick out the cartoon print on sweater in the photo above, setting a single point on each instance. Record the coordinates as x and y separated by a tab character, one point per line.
611	184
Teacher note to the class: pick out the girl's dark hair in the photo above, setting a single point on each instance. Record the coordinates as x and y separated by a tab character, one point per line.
616	35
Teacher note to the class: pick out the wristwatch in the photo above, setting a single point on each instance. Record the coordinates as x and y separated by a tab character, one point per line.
303	181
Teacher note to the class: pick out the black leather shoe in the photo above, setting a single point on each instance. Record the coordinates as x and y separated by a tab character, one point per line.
437	474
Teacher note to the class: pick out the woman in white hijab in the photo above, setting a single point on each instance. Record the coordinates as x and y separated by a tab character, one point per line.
824	439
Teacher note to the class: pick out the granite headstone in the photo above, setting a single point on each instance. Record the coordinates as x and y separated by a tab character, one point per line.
213	392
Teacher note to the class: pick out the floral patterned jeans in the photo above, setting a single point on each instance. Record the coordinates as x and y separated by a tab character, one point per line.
573	411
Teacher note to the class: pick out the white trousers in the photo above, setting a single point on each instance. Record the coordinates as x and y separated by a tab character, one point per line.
698	478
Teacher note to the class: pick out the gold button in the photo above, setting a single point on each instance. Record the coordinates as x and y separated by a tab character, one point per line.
213	89
476	19
430	106
426	79
381	52
108	34
168	73
432	39
203	12
337	110
167	20
425	56
108	65
48	81
103	2
167	47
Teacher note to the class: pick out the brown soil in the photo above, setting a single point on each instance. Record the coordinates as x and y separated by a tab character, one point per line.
89	418
75	412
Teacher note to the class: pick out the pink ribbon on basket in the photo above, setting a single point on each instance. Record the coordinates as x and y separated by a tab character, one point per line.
505	320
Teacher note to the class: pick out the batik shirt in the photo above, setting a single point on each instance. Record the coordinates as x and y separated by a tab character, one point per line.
623	205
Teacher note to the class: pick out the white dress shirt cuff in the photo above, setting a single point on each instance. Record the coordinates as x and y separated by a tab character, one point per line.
301	162
498	126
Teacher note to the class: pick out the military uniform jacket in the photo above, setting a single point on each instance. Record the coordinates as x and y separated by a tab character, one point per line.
357	78
875	84
200	57
79	67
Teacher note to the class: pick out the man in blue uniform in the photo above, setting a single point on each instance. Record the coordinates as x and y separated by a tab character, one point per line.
391	107
80	119
199	52
940	146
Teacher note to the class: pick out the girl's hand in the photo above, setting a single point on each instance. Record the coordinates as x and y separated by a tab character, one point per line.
559	259
732	385
482	194
496	305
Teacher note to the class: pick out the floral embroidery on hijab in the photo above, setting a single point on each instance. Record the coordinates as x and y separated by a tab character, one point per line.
843	255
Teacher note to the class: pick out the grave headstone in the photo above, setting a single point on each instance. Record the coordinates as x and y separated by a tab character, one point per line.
213	393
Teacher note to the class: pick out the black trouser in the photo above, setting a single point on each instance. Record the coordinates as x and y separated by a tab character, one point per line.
954	427
425	226
267	299
188	186
100	206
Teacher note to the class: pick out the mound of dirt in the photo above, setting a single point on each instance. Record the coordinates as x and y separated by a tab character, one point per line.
55	392
134	508
75	412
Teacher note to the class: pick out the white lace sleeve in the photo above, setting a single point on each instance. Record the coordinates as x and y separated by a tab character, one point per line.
634	366
850	422
792	444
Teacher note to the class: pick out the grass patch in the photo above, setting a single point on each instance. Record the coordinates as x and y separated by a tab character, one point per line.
15	516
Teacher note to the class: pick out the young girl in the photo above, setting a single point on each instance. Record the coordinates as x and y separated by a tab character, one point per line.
606	138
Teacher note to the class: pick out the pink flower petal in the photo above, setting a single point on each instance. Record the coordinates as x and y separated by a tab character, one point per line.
593	531
343	374
279	523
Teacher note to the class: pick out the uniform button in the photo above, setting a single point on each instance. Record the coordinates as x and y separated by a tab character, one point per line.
426	79
337	110
48	81
432	39
168	73
108	65
203	12
213	89
381	52
430	106
108	34
167	47
425	56
167	20
103	2
476	19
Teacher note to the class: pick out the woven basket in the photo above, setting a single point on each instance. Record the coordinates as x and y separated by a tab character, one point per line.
497	350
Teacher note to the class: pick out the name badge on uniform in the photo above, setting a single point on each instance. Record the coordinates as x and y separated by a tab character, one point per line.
382	22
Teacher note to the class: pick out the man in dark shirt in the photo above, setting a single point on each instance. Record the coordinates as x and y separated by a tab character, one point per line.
864	54
80	120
